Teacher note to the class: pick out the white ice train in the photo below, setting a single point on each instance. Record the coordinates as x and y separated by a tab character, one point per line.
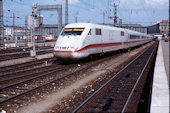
79	40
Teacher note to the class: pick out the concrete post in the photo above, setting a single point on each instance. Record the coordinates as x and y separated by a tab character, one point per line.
59	19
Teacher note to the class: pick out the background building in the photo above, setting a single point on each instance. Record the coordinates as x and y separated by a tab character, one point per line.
154	29
160	28
44	30
18	32
164	27
134	27
8	30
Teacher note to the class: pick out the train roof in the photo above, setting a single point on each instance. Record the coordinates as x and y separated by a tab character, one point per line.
80	25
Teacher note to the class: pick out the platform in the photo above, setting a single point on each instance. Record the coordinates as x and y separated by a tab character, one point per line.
160	90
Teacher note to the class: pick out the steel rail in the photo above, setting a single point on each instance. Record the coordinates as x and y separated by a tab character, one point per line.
26	70
27	80
49	68
8	51
22	55
25	65
54	80
32	78
23	52
123	110
82	104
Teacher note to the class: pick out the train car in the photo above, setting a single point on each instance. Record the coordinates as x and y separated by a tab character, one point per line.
39	38
50	37
79	40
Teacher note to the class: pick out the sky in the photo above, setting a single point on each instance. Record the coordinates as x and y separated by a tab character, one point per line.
144	12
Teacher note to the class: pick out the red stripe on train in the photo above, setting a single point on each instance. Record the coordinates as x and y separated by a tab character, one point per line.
99	45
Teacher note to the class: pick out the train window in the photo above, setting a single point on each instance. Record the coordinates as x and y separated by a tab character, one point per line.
89	32
81	29
122	33
72	31
67	31
77	31
143	37
98	32
134	37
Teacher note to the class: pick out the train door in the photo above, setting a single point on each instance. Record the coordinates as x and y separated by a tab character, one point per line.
122	39
126	40
91	40
88	38
98	40
111	35
111	40
103	39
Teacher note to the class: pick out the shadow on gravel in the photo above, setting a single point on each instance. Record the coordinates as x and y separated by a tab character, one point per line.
0	89
107	104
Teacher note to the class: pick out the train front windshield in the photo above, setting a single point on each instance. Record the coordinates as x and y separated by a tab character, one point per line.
72	31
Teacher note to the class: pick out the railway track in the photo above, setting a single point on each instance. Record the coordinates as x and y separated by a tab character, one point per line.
9	78
25	66
12	50
118	93
22	55
20	88
41	80
16	55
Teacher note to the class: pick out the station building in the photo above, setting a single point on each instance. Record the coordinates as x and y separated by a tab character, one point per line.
134	27
17	31
154	29
46	29
161	28
164	27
